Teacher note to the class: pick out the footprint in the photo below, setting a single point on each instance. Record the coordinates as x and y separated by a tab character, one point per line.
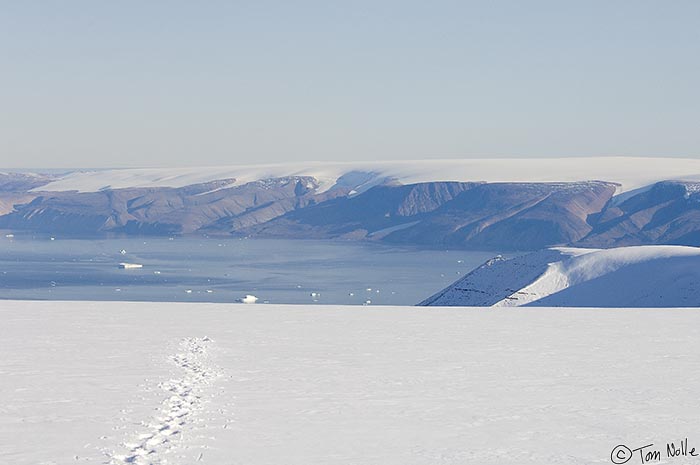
178	410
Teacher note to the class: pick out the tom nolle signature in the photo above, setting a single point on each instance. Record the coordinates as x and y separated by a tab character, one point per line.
650	454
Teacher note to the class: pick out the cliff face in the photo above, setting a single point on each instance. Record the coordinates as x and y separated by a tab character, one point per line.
512	216
501	215
507	216
666	213
162	210
365	215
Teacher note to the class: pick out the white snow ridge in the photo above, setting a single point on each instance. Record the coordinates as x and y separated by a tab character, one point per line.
641	276
177	414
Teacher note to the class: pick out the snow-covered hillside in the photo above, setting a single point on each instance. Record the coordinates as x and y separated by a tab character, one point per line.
150	383
643	276
630	173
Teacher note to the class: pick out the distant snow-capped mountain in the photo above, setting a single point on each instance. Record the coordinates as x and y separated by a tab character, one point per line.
497	204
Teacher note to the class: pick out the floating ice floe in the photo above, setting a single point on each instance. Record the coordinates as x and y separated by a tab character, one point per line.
130	266
248	299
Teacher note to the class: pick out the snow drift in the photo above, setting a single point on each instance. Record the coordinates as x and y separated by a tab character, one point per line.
642	276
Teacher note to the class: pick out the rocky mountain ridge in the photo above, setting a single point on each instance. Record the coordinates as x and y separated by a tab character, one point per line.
364	206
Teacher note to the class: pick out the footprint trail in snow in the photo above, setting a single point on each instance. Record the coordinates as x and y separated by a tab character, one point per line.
177	414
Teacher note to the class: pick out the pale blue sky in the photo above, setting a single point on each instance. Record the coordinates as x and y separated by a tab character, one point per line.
145	83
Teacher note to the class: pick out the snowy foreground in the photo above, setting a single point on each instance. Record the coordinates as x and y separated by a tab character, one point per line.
270	384
640	276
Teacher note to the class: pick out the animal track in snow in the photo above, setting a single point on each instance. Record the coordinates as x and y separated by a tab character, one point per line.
177	412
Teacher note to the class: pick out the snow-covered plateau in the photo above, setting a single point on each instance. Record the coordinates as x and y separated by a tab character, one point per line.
630	172
151	383
641	276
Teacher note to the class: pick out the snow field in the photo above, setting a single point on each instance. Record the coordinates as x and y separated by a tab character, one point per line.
178	411
341	385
